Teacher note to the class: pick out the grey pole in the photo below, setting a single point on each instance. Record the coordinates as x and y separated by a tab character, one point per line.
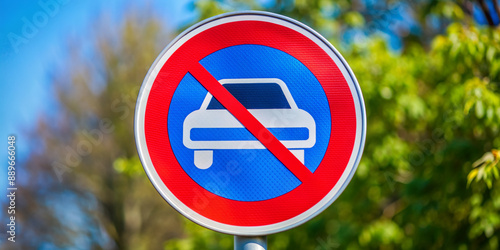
250	242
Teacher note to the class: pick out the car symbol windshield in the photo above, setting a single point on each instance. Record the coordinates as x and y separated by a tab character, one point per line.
255	96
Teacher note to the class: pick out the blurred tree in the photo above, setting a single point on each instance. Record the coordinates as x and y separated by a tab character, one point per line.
84	186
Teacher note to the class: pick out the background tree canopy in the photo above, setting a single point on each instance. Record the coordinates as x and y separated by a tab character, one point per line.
430	76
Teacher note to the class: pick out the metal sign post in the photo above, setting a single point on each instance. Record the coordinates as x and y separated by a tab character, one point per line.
250	123
250	242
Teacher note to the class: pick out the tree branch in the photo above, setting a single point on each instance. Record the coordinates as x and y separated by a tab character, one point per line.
486	12
497	8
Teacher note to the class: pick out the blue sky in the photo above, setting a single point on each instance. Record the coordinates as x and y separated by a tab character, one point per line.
33	40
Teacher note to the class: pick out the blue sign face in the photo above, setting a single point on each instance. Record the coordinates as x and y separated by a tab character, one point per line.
221	155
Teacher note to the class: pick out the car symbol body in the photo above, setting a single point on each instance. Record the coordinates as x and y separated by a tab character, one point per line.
269	100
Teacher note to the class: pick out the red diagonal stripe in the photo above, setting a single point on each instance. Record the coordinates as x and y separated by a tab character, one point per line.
250	122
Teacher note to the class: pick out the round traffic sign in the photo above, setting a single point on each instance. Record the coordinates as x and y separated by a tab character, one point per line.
250	123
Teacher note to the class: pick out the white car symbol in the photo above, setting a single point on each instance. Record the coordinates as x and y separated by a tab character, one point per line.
269	100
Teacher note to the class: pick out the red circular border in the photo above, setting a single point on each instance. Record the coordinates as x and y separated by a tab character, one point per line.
259	213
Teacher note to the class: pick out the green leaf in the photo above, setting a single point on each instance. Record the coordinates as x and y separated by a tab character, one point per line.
472	174
479	109
490	54
354	19
489	183
495	172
